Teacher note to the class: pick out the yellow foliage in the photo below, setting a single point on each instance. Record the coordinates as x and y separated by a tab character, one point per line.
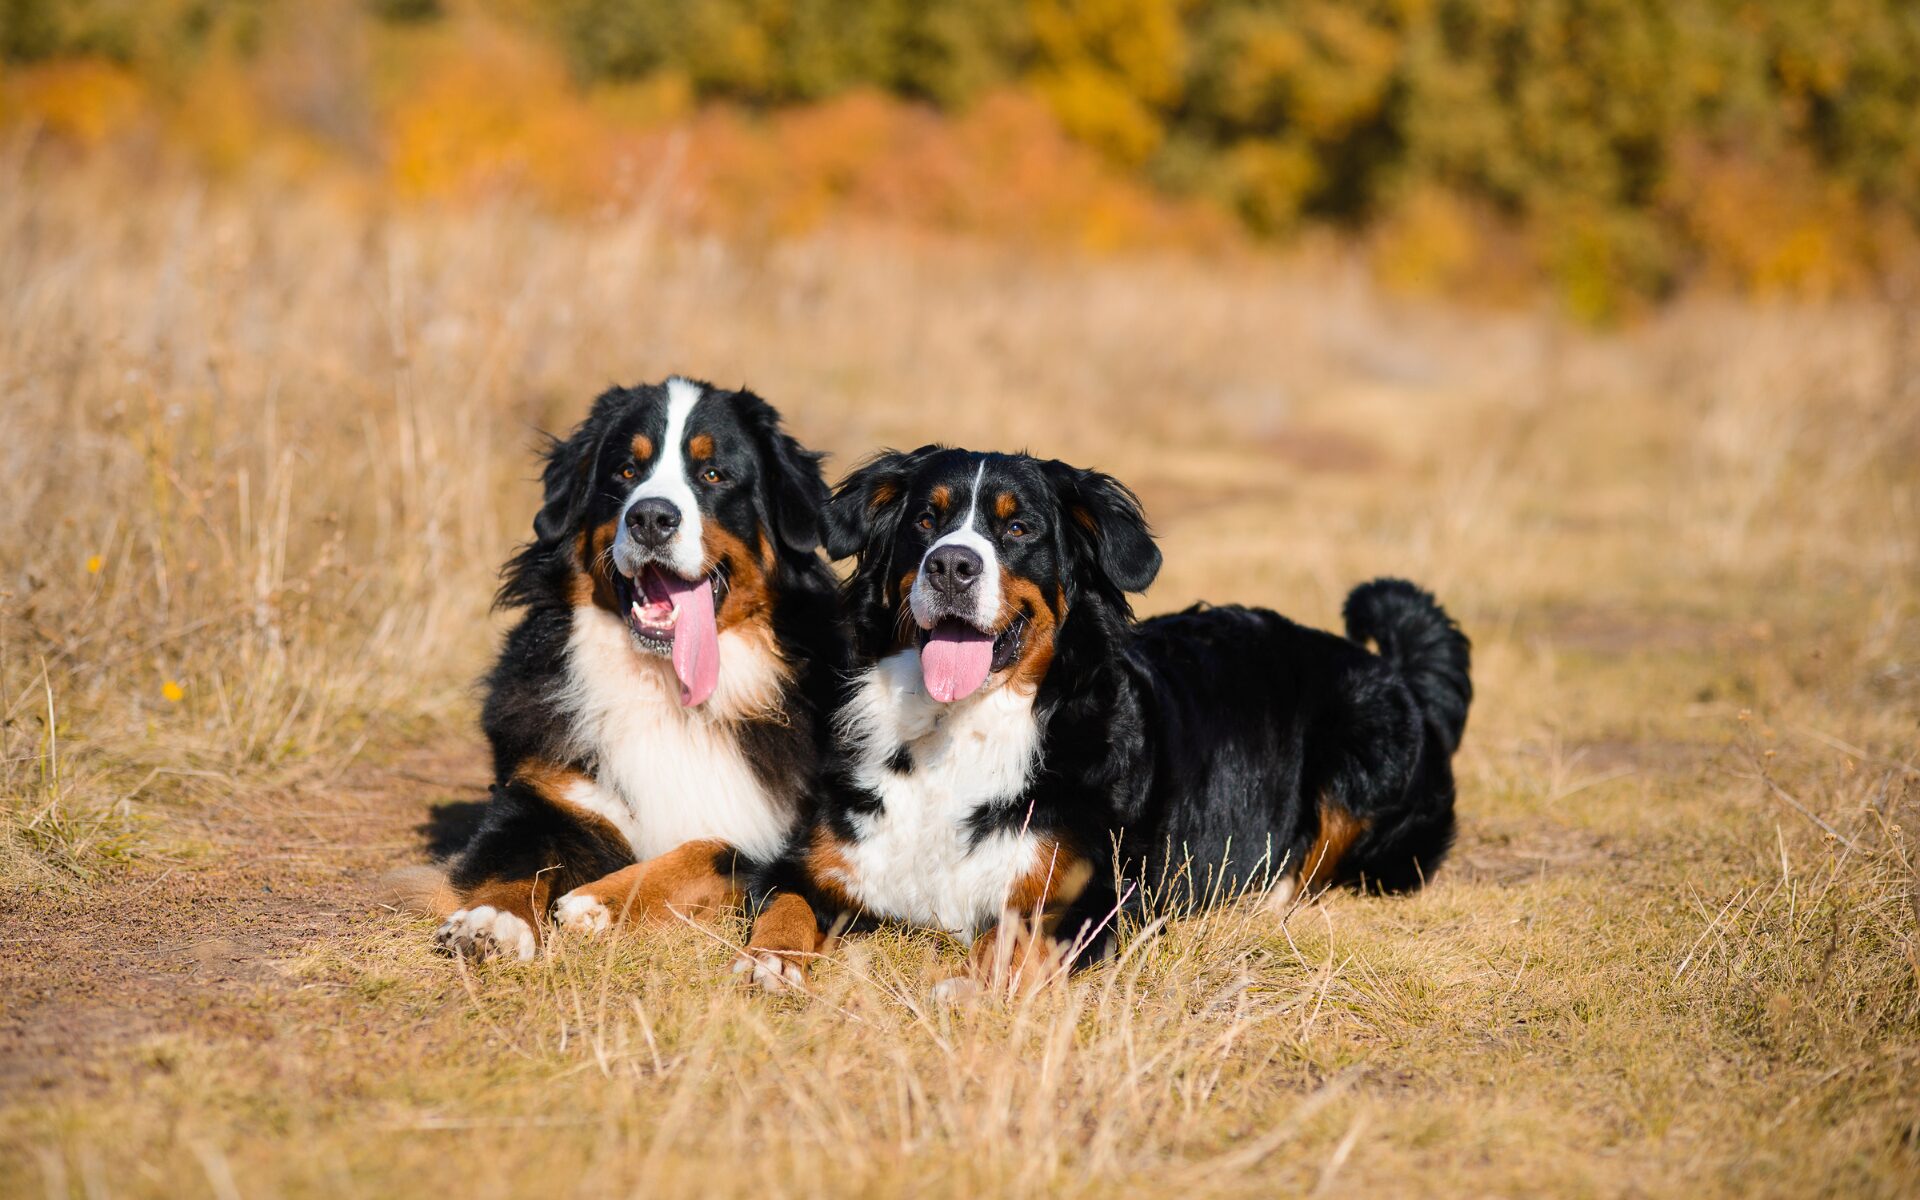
1347	83
1109	65
1464	180
1140	42
655	100
1267	50
85	100
1270	180
1094	105
1437	243
1427	246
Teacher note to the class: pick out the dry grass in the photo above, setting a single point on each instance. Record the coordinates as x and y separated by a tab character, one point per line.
1677	951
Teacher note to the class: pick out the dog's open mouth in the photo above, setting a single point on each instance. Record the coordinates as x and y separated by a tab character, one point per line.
653	603
677	618
956	658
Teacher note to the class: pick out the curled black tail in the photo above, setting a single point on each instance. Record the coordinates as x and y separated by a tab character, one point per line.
1423	644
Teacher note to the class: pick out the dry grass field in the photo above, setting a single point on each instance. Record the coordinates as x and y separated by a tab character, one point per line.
261	454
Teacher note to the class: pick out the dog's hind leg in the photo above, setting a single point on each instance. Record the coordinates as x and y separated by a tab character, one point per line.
532	844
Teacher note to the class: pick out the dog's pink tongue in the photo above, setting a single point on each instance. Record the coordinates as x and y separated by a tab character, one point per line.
955	661
696	640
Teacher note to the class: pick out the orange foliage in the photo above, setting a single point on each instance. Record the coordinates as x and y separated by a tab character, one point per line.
219	117
1777	228
1004	168
1265	117
489	112
469	112
86	101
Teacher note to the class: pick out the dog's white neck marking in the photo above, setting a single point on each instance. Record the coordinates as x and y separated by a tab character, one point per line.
987	591
917	859
686	553
664	774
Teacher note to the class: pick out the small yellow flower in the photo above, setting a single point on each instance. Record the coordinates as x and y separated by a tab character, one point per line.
173	692
93	564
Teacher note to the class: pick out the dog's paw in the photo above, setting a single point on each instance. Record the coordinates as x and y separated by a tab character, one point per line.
771	970
581	912
479	934
959	989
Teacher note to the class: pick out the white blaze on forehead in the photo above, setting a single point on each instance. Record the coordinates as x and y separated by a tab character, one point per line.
685	554
987	591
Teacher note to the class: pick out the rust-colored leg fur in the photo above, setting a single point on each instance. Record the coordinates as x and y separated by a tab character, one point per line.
1020	954
1339	830
693	880
521	897
785	935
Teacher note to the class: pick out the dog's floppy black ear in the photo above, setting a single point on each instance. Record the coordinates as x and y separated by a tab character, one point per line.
567	484
1105	521
796	490
567	481
866	507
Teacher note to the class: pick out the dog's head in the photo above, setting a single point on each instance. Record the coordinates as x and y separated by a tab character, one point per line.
977	560
679	507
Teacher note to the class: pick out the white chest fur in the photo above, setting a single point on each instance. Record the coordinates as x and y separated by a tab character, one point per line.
917	859
665	774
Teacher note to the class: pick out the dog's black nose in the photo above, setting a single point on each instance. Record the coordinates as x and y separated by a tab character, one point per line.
653	521
952	570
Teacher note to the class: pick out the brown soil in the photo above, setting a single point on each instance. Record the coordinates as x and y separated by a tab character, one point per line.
152	949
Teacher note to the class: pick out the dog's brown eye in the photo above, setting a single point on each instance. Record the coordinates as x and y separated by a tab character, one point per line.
627	471
710	475
1016	529
925	521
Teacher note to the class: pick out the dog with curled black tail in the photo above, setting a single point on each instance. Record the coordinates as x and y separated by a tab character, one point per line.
1018	761
1416	638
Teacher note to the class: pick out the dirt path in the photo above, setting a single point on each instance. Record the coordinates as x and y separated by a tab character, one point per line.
154	948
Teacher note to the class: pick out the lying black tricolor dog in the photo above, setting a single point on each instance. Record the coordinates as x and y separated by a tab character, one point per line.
653	714
1019	761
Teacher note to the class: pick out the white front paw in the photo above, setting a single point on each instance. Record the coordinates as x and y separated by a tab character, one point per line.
959	989
486	932
773	972
579	912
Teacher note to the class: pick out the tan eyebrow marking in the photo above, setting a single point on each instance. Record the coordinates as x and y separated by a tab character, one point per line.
642	446
941	497
700	445
1005	505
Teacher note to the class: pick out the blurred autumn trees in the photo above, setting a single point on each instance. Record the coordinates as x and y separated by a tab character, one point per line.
1634	142
1617	147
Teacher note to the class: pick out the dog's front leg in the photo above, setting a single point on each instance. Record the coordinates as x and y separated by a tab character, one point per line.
696	879
786	933
533	843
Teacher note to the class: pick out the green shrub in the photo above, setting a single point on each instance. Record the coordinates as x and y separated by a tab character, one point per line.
162	35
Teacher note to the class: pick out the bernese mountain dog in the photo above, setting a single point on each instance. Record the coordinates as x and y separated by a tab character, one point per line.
653	714
1019	761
